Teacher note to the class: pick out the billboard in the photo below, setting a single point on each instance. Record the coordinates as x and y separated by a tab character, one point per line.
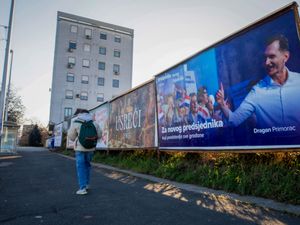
70	144
239	93
101	116
58	129
132	119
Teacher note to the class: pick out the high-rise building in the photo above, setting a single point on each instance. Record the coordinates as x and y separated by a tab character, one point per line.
92	64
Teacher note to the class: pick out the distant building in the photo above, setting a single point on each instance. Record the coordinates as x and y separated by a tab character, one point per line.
92	64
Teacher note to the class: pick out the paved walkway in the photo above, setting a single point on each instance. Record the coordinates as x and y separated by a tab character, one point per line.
222	197
38	187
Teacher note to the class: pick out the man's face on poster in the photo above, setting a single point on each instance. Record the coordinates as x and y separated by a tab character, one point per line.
203	97
194	104
275	59
182	112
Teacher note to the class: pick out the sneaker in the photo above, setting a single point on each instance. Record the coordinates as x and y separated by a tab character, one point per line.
81	192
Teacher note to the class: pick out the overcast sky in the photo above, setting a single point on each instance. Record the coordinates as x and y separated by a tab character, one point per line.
166	32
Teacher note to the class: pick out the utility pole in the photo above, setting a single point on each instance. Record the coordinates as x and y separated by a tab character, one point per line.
8	86
3	86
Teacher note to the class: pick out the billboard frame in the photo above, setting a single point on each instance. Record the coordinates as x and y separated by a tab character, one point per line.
245	29
132	89
61	138
103	103
235	149
156	148
98	105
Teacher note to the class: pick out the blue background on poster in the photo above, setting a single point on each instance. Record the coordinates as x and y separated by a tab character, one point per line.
237	63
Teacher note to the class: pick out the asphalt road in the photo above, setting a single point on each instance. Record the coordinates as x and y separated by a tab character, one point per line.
38	187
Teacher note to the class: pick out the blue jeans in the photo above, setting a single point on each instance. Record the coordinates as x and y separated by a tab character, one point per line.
83	165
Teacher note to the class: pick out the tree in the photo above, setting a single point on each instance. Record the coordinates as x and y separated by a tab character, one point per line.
35	137
15	107
29	124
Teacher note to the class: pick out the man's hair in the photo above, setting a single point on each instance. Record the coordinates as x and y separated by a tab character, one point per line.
202	90
193	94
80	111
283	42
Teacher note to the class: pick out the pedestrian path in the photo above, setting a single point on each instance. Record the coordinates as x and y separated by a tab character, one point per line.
221	197
38	187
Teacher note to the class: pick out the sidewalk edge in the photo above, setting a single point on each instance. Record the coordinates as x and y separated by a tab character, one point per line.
258	201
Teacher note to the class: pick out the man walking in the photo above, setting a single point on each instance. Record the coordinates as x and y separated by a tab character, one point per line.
84	132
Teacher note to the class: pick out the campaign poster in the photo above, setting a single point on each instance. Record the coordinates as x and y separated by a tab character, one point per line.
70	144
132	119
101	116
239	93
58	129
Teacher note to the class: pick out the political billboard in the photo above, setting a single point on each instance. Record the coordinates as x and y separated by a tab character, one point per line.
101	116
238	93
58	132
70	144
132	119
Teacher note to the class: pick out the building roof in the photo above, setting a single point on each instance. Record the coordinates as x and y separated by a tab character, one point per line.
94	23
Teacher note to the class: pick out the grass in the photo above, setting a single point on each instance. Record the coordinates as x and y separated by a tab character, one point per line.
270	175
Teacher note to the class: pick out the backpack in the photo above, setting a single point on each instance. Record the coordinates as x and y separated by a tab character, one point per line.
88	134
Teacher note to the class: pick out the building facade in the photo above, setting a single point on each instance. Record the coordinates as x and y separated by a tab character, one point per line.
92	64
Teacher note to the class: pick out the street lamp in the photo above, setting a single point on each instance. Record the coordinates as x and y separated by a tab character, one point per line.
8	86
2	96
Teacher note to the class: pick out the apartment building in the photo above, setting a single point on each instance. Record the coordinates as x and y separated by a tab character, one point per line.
92	64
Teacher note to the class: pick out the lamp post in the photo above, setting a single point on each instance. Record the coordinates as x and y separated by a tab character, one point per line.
2	96
8	86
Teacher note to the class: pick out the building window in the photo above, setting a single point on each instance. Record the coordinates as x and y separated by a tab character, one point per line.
72	46
69	94
88	33
101	65
85	79
103	36
86	47
102	51
86	63
84	95
115	83
70	77
100	97
73	29
117	53
101	81
67	112
116	69
117	39
71	62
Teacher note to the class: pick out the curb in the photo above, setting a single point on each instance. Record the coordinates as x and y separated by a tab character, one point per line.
221	196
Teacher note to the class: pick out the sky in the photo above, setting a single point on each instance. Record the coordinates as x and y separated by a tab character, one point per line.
165	33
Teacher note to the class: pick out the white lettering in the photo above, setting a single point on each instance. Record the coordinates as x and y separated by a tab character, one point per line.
274	129
206	125
261	131
129	120
284	129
